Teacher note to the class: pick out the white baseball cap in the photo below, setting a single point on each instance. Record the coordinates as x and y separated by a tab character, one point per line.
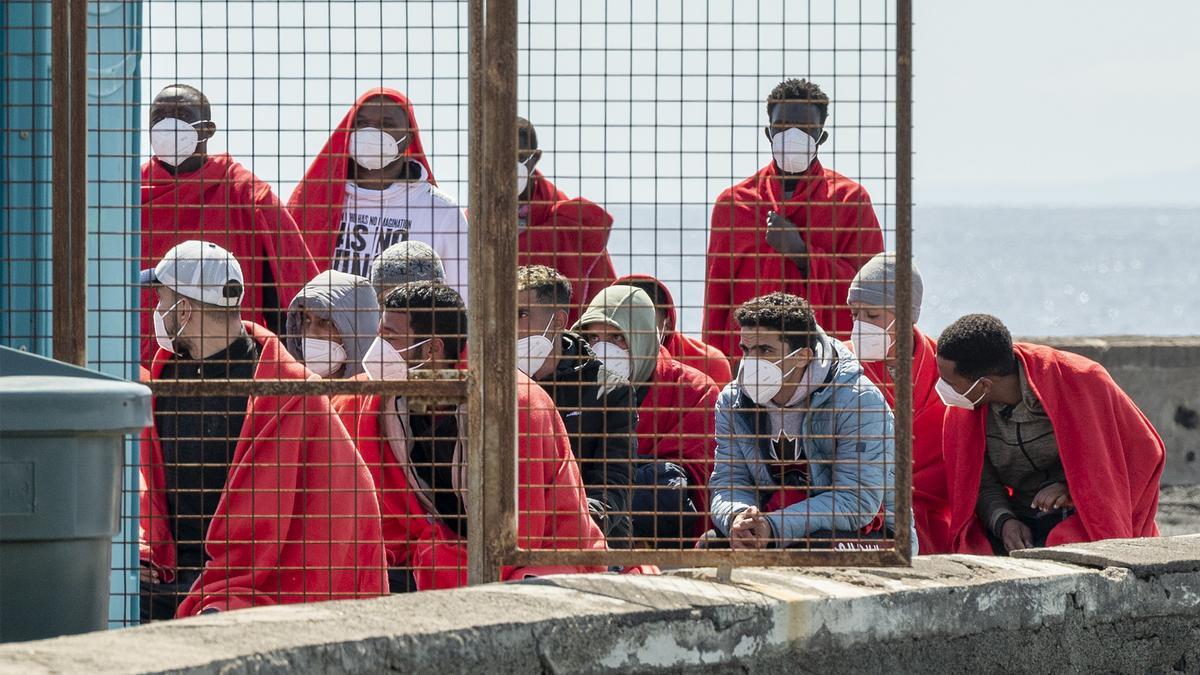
202	271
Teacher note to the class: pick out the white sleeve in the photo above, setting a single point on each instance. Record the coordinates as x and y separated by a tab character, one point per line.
450	242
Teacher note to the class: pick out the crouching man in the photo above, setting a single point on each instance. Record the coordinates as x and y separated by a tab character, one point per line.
246	500
805	442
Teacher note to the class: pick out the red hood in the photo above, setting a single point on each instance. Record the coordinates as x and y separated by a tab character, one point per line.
317	201
669	307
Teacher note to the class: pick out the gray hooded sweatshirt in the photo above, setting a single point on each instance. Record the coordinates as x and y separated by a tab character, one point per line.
346	299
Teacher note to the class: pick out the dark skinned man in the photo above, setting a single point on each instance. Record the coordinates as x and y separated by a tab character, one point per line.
189	194
795	226
371	186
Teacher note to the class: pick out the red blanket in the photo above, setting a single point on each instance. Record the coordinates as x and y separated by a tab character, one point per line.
931	510
299	520
676	422
224	203
317	201
1111	454
684	348
839	227
570	235
552	506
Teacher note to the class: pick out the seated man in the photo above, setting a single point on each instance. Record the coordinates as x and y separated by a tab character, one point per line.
872	301
597	411
418	457
371	186
569	235
246	500
675	422
688	350
190	194
1042	447
405	262
331	322
804	441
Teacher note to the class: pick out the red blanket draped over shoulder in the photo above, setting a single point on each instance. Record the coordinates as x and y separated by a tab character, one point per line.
299	519
551	505
570	235
676	422
224	203
931	508
1111	454
684	348
316	203
838	224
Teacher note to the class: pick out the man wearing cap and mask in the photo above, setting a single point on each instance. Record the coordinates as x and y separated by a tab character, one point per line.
872	300
597	406
805	442
246	500
795	226
417	453
569	235
372	186
403	263
331	322
1041	446
189	194
674	423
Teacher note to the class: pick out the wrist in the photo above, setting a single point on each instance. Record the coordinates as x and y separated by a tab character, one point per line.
998	527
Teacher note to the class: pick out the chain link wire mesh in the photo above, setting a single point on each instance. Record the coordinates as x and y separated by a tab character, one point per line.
278	241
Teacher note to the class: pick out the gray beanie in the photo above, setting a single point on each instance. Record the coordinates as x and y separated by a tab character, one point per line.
404	262
875	284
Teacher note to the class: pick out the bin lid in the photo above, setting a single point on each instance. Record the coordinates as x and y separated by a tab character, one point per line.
40	394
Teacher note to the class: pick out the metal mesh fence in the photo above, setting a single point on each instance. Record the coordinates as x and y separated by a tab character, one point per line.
317	230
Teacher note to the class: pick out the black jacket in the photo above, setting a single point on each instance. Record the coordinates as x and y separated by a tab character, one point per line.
602	432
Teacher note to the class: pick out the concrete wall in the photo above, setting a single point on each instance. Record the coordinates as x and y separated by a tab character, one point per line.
1163	376
1121	606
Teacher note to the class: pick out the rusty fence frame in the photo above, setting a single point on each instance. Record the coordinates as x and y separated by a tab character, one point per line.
488	386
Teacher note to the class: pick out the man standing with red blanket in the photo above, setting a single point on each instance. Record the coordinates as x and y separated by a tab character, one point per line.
189	194
1042	447
872	301
568	235
795	226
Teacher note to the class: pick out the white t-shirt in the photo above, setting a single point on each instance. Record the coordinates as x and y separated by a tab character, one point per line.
373	220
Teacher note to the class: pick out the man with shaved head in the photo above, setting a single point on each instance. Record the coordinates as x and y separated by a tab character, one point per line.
189	194
568	235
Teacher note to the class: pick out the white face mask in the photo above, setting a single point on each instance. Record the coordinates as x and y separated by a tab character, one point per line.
871	343
161	335
793	150
323	357
522	177
172	140
533	350
614	358
374	148
384	362
762	379
955	399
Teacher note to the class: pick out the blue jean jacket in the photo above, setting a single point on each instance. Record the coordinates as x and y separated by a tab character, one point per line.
847	434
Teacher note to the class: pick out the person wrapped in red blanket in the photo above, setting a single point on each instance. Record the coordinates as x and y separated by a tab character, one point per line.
1042	447
371	186
569	235
675	416
418	457
245	500
795	226
189	194
872	300
684	348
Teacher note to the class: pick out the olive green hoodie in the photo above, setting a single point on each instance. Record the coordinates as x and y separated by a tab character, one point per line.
630	311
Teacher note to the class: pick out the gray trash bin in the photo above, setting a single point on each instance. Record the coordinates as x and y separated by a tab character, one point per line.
62	442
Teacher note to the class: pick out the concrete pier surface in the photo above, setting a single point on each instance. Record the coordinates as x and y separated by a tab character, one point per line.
1116	606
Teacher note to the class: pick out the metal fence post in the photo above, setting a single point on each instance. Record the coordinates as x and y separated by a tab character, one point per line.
492	425
904	319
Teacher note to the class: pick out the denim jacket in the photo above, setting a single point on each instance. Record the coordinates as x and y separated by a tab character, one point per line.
847	434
